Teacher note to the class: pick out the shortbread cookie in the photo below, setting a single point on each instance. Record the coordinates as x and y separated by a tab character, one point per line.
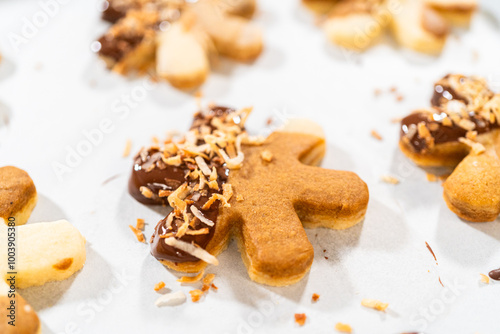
24	319
45	252
421	25
220	182
176	39
460	135
18	195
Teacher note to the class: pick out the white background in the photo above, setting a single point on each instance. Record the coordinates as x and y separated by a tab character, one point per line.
53	89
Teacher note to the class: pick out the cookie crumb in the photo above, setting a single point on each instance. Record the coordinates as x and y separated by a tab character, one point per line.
393	89
266	155
159	286
195	295
399	98
374	304
140	224
128	147
239	198
389	179
343	328
376	135
214	287
191	279
485	279
138	233
300	318
315	297
431	177
377	92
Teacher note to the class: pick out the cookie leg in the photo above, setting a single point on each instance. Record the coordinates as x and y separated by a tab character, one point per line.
473	190
274	248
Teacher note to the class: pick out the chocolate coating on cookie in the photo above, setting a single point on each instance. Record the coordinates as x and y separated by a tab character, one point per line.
151	172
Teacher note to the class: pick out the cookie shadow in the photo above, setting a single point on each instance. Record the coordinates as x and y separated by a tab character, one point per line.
461	241
338	159
46	211
7	68
47	295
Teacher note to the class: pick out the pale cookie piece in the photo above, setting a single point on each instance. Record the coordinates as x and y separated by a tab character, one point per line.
233	36
18	195
419	27
24	318
45	252
319	6
356	25
458	12
182	56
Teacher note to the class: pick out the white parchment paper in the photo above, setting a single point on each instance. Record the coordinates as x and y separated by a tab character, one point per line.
57	98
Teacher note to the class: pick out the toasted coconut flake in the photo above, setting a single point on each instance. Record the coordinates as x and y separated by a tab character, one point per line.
139	224
195	295
213	185
182	230
164	193
169	150
128	147
376	135
167	235
412	130
201	231
208	278
213	175
212	199
227	191
300	318
423	131
240	198
266	155
171	299
477	148
198	214
146	192
191	279
343	328
389	179
138	233
170	219
176	199
253	140
315	297
472	135
173	161
447	122
433	126
431	177
159	286
233	163
202	165
374	304
214	287
193	250
485	279
467	124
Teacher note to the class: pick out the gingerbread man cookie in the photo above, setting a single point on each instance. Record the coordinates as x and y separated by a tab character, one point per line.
33	254
460	135
177	38
421	25
222	183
